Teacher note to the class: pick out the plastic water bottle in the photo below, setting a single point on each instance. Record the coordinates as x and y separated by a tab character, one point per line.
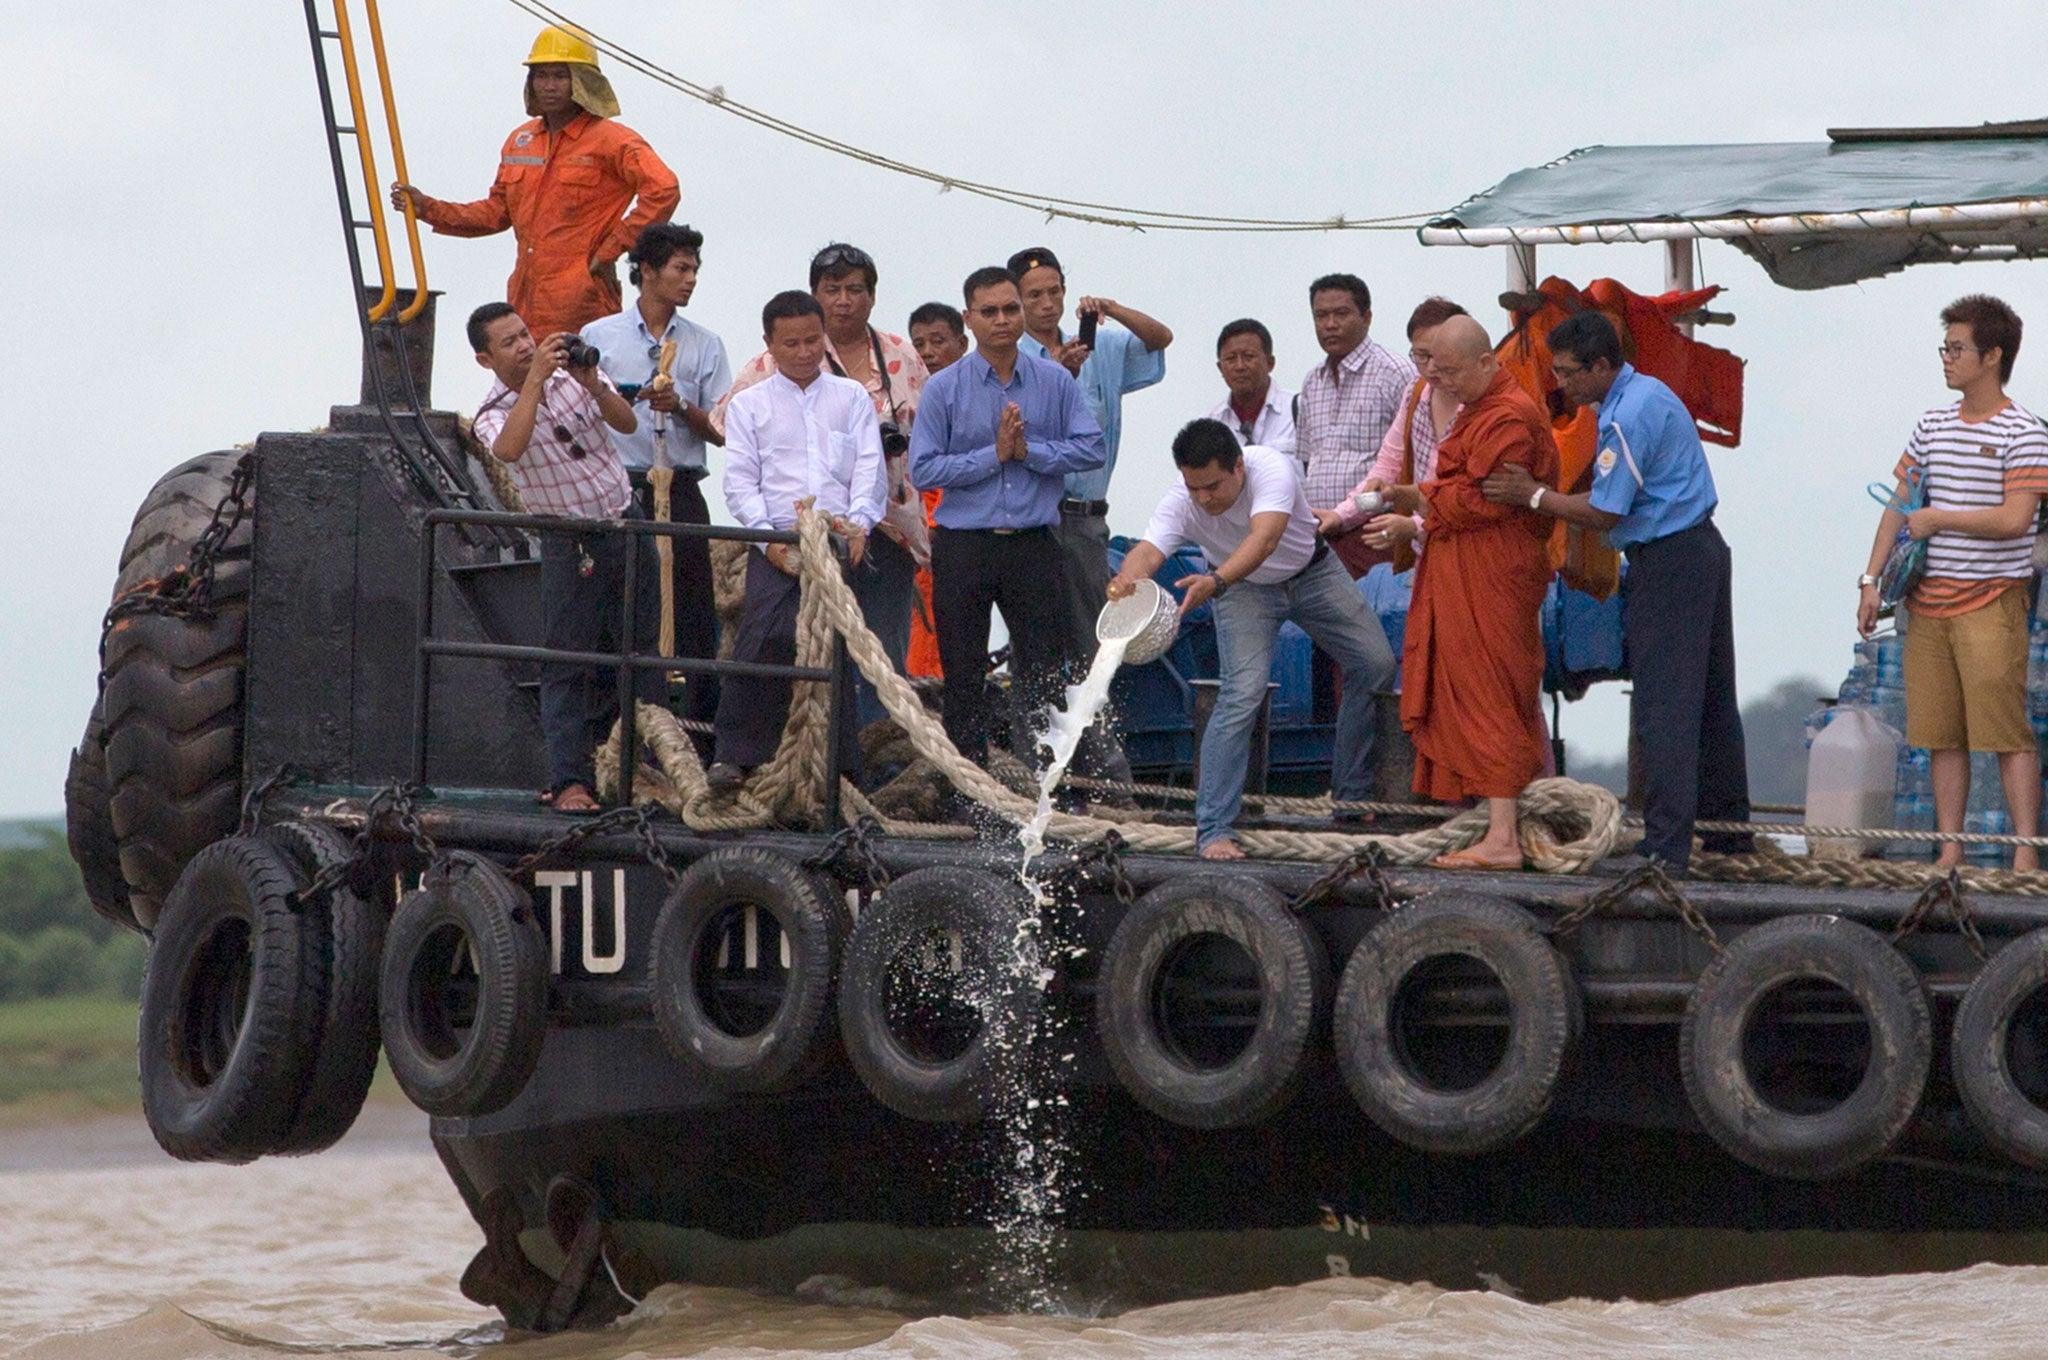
1851	779
1990	822
1889	660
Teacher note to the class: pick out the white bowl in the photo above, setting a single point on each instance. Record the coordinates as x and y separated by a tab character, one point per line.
1147	620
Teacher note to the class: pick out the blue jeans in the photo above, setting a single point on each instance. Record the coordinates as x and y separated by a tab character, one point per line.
1323	601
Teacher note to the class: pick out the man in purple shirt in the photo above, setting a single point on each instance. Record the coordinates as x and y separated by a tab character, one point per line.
999	431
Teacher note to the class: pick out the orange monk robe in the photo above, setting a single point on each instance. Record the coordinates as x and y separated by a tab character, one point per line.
1473	653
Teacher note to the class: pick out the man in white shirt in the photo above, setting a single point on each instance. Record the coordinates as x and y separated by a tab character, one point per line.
675	421
1256	410
1245	509
799	434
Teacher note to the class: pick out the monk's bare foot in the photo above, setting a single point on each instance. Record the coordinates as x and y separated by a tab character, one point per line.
1478	857
2026	860
1223	849
1950	856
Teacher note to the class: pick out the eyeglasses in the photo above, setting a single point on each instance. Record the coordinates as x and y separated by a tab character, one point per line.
575	449
1954	350
1418	357
1561	373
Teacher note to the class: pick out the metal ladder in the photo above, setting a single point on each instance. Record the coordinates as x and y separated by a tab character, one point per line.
441	475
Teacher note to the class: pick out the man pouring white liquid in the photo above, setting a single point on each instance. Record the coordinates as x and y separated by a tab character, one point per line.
1246	510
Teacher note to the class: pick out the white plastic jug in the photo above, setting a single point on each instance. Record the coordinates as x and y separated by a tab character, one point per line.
1851	778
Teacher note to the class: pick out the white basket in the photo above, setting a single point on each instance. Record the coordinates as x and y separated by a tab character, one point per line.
1147	619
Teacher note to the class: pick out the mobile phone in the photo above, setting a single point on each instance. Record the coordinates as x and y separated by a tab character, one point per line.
1086	336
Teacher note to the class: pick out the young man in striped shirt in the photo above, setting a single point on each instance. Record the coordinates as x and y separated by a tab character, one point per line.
1984	461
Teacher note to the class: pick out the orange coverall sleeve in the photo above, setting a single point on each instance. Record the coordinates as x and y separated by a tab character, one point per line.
655	196
487	216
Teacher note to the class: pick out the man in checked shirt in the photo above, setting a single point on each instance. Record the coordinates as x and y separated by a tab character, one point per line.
1348	400
548	422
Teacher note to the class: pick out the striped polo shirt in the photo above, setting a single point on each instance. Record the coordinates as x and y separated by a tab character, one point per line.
1975	467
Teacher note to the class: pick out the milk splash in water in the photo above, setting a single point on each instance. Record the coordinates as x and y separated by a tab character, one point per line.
1028	1145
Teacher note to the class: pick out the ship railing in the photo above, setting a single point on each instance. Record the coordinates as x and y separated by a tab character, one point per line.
625	660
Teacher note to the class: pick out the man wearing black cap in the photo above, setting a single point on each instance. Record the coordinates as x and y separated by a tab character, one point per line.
1108	360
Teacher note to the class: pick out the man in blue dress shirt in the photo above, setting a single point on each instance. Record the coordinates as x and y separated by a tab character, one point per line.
999	432
1654	495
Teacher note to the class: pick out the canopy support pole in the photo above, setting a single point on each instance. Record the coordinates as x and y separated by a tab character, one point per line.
1521	268
1678	275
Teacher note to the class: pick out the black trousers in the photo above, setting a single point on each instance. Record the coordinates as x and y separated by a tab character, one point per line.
973	571
696	610
1687	726
585	613
753	709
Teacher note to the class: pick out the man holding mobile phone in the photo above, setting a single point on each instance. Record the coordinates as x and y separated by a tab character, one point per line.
1109	361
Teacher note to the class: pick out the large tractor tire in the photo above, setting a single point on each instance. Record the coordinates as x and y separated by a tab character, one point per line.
89	828
172	702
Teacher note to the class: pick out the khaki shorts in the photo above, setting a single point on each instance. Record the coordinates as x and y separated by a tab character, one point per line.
1966	678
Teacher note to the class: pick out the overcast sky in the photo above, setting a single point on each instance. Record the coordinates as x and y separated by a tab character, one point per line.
174	277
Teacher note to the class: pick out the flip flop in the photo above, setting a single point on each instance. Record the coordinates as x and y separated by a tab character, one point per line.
591	809
1465	859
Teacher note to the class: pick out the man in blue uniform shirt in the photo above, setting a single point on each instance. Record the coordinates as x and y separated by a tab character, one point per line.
1653	494
999	432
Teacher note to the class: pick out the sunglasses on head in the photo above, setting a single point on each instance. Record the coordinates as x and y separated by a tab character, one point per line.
843	257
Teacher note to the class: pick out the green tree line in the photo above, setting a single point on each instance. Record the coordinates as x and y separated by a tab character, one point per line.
52	943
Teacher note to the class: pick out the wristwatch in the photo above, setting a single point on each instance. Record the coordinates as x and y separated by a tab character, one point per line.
1866	579
1221	584
1536	498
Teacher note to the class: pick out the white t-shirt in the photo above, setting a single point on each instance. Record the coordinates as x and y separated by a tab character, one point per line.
1272	482
1974	467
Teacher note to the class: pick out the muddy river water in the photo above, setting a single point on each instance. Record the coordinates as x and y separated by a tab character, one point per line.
108	1249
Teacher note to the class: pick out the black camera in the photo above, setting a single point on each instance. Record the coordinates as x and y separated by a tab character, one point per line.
895	443
576	354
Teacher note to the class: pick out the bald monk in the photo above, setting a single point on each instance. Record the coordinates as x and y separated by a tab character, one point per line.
1473	655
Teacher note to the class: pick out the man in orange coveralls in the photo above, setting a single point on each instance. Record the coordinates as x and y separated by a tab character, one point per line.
1473	656
565	180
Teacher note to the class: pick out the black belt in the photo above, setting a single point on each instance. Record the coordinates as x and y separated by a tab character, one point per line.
1704	522
1314	558
638	476
1000	533
1070	506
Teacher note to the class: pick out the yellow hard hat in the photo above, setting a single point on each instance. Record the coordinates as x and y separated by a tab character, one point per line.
567	45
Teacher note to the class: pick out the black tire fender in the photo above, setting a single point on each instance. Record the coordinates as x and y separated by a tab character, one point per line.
345	1059
1543	1023
462	1047
1980	1056
703	932
911	932
1175	1074
1723	1093
231	1004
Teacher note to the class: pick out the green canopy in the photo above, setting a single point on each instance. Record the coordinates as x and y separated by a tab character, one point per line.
1814	214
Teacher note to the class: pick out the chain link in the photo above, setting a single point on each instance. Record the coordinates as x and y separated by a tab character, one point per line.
1652	878
1105	854
186	591
252	801
851	854
1367	861
1946	891
396	800
639	820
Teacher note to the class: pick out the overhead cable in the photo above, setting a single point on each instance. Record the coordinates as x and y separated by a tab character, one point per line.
1051	205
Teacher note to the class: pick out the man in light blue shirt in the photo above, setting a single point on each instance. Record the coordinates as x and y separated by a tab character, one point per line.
1108	361
1654	495
999	432
675	425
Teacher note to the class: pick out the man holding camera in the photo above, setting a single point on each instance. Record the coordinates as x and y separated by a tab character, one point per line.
548	416
843	281
1109	363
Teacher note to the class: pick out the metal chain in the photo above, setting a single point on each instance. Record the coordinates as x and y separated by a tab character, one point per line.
1106	854
1944	891
639	820
396	800
1650	876
252	801
1367	861
187	591
851	854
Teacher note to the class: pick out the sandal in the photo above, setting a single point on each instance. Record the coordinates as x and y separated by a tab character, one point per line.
1465	859
574	800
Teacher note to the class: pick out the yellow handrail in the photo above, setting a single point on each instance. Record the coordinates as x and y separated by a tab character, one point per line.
412	226
368	157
